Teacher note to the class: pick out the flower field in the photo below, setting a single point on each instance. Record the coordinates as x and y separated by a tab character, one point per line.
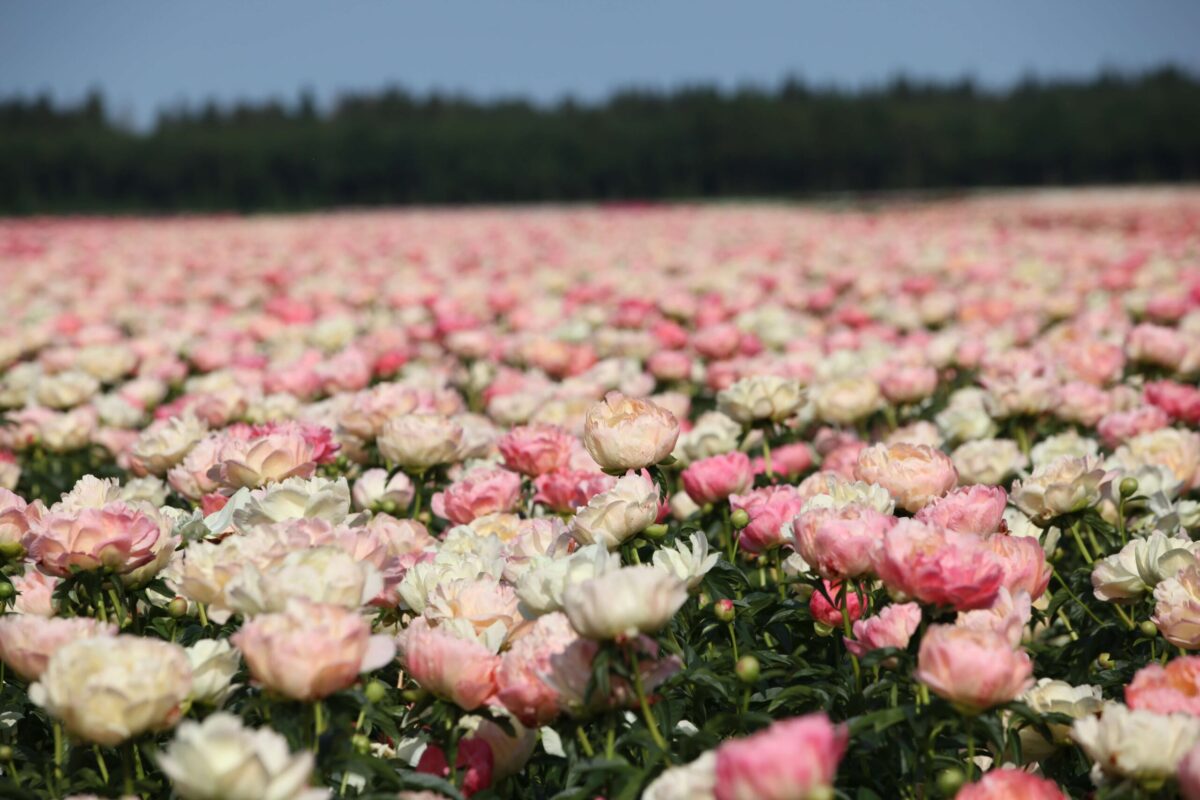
732	502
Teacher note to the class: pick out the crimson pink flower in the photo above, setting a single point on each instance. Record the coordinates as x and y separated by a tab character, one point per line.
475	763
1180	401
893	626
1119	426
569	490
1170	689
939	567
713	479
791	760
830	613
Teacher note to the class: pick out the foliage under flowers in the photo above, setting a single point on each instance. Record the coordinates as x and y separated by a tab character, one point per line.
731	503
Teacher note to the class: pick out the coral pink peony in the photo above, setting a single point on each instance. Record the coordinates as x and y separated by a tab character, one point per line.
519	678
458	670
939	567
1010	784
830	613
841	542
893	626
116	537
974	669
481	492
1024	562
1170	689
713	479
971	509
795	759
771	510
567	491
915	475
535	450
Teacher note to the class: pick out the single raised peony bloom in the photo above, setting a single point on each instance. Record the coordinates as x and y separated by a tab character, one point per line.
974	669
108	689
840	542
1061	487
1170	689
118	537
416	442
1177	608
220	759
614	516
624	602
761	398
713	479
971	509
296	498
27	642
623	433
259	460
535	450
214	663
794	759
844	401
939	567
311	650
915	475
462	671
893	626
1141	745
1011	784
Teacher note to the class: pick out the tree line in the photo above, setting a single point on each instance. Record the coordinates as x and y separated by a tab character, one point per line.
394	147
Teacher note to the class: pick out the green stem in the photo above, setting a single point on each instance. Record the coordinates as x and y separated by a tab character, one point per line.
1083	551
727	532
733	641
846	627
584	742
318	725
1121	520
203	615
58	752
127	768
101	763
1075	597
647	714
766	447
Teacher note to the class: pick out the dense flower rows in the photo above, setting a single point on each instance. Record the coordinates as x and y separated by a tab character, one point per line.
731	503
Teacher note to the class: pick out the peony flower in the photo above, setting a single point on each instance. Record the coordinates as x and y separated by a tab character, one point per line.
795	759
844	401
459	670
893	626
520	687
1170	689
1008	615
623	433
840	542
165	443
1007	783
416	442
542	587
116	537
16	516
319	574
1024	561
974	669
711	480
310	650
1141	565
1177	608
760	398
480	608
971	509
914	474
1050	696
688	564
220	759
830	613
618	514
535	450
565	492
696	780
771	510
1063	486
988	461
1141	745
374	489
141	682
214	663
296	498
939	567
35	593
624	602
27	642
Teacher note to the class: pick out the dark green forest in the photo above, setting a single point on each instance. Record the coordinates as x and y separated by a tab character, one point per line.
394	147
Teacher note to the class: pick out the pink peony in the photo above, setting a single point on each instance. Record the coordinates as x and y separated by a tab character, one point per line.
535	450
1170	689
841	542
771	510
713	479
459	670
939	567
481	492
474	764
567	491
788	461
116	537
791	760
311	650
519	678
915	475
1007	783
27	642
1024	562
1120	426
893	626
1180	401
830	613
971	509
974	669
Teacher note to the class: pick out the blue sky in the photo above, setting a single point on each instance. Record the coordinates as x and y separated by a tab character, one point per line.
145	54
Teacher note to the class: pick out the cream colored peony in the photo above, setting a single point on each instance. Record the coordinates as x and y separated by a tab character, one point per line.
1060	487
612	517
1141	745
761	398
623	433
624	603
